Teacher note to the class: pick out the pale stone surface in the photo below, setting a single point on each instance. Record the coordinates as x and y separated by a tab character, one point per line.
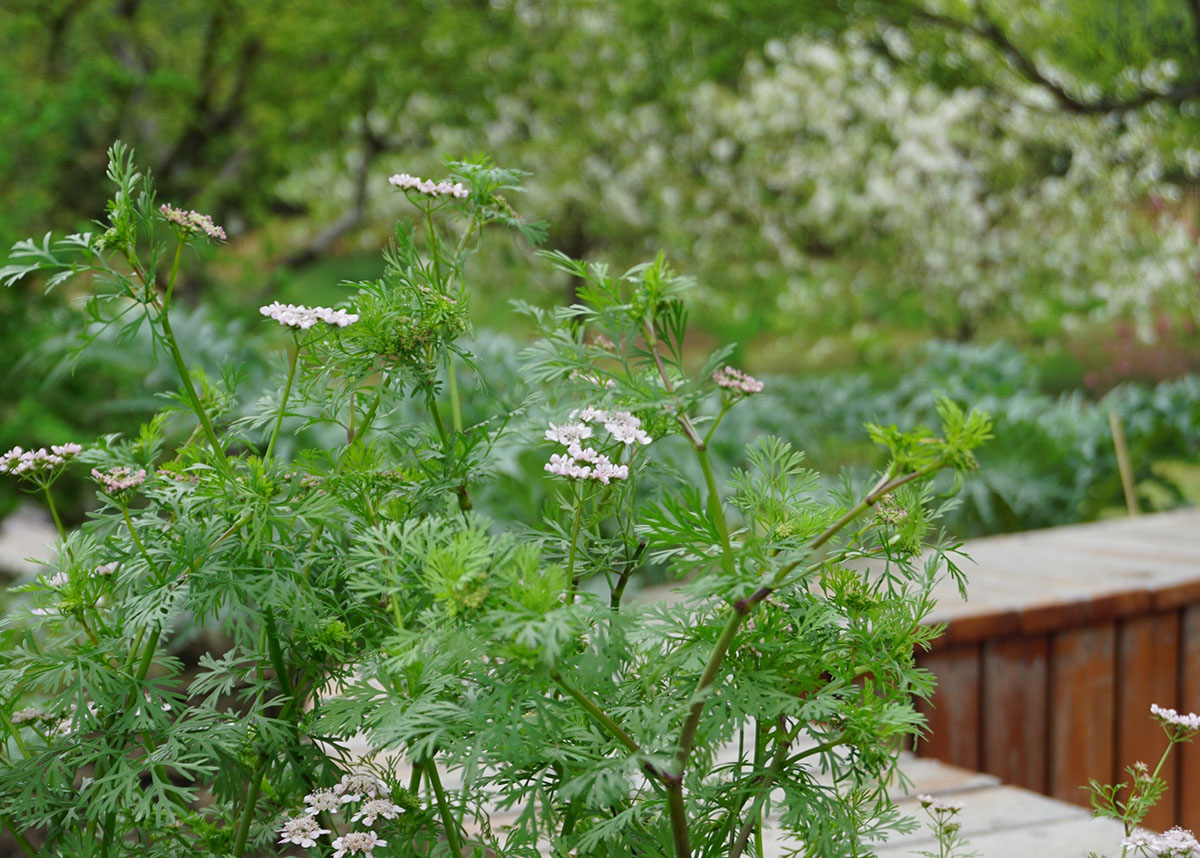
26	533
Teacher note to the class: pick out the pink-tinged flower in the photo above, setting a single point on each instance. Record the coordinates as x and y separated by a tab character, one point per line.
357	843
737	382
118	480
568	433
1189	722
428	187
191	223
1176	843
302	831
299	316
18	461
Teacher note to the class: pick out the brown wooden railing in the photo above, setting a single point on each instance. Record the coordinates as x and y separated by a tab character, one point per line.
1046	676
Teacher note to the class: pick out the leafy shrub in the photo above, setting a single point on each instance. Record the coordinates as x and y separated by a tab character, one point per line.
369	597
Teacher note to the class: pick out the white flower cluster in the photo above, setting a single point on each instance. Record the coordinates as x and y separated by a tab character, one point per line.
584	463
357	843
17	461
106	569
192	222
1190	722
428	187
940	805
1176	843
737	382
30	713
114	481
304	830
299	316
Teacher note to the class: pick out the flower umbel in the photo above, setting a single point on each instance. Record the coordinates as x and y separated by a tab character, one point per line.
299	316
1176	843
354	787
191	223
737	382
20	462
428	187
118	480
302	831
357	843
376	807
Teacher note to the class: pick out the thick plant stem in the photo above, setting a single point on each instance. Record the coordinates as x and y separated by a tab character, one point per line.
243	829
448	823
679	824
190	389
287	391
62	533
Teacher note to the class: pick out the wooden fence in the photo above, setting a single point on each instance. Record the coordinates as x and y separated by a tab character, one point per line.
1046	676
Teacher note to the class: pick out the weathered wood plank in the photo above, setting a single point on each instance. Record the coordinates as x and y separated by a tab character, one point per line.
1188	797
953	717
1147	672
1014	689
1081	709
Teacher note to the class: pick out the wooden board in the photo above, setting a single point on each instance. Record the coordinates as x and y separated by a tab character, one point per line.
1147	672
953	717
1081	710
1014	698
1188	796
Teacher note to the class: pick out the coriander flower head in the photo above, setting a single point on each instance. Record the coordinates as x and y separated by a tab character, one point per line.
299	316
428	187
376	807
189	223
1170	718
357	843
302	831
322	800
116	481
737	382
586	463
30	713
1176	843
19	462
354	787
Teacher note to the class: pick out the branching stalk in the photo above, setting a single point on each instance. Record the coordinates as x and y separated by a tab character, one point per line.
287	390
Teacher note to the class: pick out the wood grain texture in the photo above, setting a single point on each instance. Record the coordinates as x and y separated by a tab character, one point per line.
1147	672
953	717
1014	688
1188	797
1082	697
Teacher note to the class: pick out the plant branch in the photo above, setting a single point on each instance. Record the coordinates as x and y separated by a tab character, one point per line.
287	390
448	823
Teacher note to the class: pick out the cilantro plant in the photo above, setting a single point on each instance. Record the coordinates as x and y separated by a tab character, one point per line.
402	676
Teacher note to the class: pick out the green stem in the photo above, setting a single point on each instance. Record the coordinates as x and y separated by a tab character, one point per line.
287	391
138	542
448	823
18	836
679	827
370	415
601	717
62	533
715	510
189	389
174	273
455	405
573	584
243	829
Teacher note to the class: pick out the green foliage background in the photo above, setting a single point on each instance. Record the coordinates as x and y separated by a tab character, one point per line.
637	121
